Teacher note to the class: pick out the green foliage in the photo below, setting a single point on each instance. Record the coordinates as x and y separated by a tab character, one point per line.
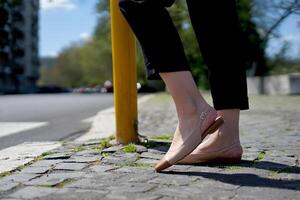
129	148
90	62
254	51
105	143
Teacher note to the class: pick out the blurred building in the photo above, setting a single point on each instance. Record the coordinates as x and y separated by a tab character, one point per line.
19	61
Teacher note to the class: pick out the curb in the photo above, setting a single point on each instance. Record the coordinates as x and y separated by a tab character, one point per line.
103	124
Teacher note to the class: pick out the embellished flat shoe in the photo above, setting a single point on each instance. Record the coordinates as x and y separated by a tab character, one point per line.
228	155
178	150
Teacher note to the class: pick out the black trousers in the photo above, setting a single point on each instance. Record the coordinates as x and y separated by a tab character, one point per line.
218	33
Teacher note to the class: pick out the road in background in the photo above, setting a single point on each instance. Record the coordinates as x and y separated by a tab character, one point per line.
48	117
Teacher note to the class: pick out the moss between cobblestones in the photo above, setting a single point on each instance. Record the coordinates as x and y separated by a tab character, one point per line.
47	153
64	183
162	137
133	164
3	174
80	148
129	148
19	168
149	144
104	154
275	172
105	143
232	167
261	155
284	170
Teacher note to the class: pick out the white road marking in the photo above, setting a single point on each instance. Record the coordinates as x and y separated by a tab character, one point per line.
8	128
12	157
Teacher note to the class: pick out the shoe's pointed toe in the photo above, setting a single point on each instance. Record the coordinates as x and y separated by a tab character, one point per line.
161	165
184	148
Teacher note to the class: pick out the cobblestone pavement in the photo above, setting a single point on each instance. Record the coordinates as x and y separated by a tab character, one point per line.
270	135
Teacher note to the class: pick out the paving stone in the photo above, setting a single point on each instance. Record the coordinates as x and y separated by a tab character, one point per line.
159	149
103	168
32	192
88	152
70	166
70	194
264	193
143	178
149	197
7	185
151	155
113	149
134	170
46	163
54	178
20	177
36	170
91	142
147	161
57	156
174	180
83	159
140	148
87	183
132	187
179	192
120	158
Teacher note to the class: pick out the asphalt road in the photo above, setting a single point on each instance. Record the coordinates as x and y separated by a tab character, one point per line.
48	117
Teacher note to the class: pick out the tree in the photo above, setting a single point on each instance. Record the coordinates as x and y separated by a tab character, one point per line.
270	14
66	71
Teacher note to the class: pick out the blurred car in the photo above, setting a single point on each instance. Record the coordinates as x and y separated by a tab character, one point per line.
141	88
107	87
52	89
94	89
144	88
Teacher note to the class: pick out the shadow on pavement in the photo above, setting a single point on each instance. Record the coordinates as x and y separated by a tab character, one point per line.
244	179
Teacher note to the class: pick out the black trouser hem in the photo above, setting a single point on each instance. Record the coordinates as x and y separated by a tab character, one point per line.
242	104
152	73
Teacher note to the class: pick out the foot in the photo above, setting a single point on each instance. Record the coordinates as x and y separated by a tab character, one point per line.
207	153
189	134
223	146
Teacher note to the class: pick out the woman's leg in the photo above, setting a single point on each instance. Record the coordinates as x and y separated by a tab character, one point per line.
218	33
157	35
165	58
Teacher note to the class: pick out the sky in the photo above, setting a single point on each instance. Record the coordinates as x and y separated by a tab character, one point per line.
65	21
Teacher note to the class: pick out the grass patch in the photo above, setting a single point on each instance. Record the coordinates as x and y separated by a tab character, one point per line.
147	165
272	174
129	148
232	167
111	137
47	153
162	137
105	143
80	148
21	167
260	156
3	174
149	144
289	170
104	154
64	183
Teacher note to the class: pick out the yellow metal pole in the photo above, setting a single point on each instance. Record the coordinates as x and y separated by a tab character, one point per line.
124	75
